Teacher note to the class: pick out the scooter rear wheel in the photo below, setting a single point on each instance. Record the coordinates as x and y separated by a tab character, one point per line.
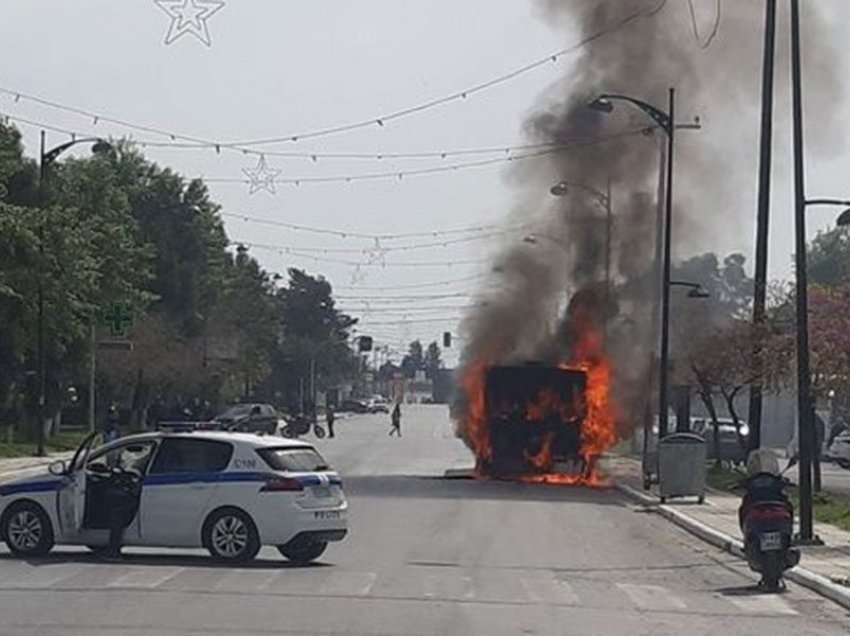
772	571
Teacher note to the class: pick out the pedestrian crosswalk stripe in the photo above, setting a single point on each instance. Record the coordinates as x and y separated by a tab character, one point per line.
652	597
44	576
348	584
247	579
548	589
762	604
145	577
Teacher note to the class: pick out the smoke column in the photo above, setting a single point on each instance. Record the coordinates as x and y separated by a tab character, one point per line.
715	171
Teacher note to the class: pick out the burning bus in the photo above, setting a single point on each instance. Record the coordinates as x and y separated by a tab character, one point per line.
542	422
534	421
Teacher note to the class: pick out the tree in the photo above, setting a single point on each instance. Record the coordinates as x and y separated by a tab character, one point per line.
414	360
722	362
432	362
829	258
314	333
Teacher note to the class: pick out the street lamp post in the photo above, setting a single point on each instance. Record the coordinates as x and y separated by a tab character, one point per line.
604	199
665	121
47	157
805	404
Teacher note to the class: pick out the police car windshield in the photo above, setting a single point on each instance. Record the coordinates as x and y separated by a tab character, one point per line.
296	460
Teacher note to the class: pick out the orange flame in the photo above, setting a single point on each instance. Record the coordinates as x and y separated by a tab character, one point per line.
598	432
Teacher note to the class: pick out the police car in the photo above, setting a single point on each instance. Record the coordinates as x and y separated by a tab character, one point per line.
230	493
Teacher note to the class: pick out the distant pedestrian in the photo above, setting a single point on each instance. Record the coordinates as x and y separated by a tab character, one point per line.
111	429
331	417
395	418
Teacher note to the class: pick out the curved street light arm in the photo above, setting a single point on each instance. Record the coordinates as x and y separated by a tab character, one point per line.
598	194
836	202
658	116
52	154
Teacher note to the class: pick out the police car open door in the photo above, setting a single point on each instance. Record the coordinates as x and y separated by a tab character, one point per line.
72	496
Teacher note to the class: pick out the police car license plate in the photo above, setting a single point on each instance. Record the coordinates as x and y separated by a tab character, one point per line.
771	541
326	514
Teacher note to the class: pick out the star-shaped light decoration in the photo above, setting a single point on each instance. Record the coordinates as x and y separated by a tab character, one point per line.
261	177
189	17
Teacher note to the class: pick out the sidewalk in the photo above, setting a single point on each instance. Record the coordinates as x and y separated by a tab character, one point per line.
824	569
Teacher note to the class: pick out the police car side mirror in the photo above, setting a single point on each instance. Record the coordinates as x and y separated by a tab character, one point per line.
57	468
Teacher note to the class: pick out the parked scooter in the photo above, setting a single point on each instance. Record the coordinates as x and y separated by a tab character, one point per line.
766	517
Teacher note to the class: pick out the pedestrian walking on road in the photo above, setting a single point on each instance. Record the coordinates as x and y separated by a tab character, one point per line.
395	418
331	418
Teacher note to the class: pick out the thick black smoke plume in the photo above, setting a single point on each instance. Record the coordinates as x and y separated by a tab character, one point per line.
715	171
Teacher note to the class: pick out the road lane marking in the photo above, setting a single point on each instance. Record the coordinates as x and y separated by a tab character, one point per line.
652	597
348	584
247	579
762	604
548	590
145	577
43	576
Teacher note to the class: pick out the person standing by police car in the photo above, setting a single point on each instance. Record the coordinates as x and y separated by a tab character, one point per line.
331	418
111	431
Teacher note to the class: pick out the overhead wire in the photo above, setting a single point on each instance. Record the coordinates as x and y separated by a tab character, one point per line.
363	235
245	146
704	44
401	174
323	259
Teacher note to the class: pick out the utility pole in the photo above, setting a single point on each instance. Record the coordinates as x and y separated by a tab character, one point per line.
42	364
665	280
804	380
762	222
92	374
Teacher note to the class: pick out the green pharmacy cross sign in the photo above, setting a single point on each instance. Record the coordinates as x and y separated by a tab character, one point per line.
118	318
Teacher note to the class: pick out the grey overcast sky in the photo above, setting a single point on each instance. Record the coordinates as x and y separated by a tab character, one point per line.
277	67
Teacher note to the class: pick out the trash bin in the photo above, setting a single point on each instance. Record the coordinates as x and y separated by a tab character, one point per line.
681	466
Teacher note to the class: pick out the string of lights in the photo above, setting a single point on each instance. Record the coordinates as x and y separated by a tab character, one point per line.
245	146
392	248
505	149
454	167
359	264
438	283
372	237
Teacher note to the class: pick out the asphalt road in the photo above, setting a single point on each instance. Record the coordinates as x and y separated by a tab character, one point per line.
426	556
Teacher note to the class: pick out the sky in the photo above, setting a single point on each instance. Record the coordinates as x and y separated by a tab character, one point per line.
279	68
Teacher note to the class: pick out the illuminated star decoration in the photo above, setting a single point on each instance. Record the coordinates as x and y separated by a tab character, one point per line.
261	177
189	16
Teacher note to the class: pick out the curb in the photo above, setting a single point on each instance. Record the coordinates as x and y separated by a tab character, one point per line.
801	576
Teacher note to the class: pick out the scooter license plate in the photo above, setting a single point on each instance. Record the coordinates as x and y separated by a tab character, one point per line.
771	541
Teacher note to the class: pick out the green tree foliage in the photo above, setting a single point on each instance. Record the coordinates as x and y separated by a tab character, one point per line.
829	258
314	335
433	361
414	360
115	227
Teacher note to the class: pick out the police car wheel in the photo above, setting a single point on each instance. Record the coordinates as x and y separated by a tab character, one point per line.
303	552
230	535
27	530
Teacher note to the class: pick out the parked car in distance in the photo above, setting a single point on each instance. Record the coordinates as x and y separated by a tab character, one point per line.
249	418
730	446
839	450
378	404
354	406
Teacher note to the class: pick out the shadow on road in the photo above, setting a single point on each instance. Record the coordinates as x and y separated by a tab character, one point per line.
171	560
441	488
747	590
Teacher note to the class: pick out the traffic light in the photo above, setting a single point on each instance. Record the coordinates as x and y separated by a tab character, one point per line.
447	339
364	344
